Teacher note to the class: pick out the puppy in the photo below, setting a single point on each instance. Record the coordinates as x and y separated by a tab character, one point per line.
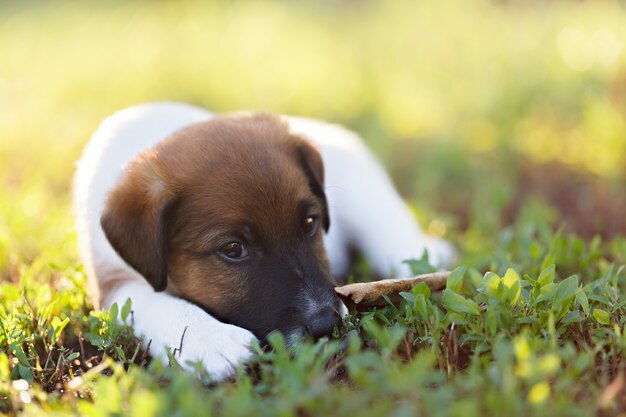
221	229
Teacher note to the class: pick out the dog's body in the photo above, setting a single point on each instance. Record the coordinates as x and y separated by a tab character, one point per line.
169	197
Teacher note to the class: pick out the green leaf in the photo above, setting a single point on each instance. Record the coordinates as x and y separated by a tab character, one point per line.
126	309
602	316
120	353
547	261
583	301
45	312
422	306
58	329
547	293
572	317
113	313
25	372
566	290
458	303
455	280
603	299
388	300
277	341
95	340
493	285
421	288
21	356
420	266
456	318
547	275
491	321
15	372
512	287
409	297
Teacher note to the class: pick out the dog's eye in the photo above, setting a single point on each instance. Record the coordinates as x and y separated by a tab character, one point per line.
310	225
235	251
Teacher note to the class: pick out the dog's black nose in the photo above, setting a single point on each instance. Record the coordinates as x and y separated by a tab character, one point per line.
323	323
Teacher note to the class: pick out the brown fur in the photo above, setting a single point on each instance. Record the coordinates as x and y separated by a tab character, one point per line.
232	178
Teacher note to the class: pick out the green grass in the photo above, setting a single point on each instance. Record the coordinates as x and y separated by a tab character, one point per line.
502	123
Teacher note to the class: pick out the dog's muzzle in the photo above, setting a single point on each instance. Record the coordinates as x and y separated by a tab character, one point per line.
323	323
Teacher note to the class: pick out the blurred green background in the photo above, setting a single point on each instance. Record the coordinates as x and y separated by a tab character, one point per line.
484	111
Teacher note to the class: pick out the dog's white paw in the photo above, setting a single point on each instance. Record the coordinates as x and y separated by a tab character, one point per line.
194	338
218	348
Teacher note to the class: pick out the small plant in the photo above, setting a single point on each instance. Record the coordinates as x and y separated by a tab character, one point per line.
113	335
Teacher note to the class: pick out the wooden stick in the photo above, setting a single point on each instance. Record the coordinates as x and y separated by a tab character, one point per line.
365	295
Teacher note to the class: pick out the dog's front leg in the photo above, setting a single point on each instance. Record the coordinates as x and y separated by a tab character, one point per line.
166	322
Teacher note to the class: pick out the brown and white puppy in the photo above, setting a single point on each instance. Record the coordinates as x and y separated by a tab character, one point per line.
214	226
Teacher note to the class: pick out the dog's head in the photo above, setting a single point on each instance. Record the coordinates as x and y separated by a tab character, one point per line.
229	214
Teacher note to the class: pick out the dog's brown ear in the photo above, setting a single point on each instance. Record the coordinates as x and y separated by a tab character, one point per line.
135	220
311	162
